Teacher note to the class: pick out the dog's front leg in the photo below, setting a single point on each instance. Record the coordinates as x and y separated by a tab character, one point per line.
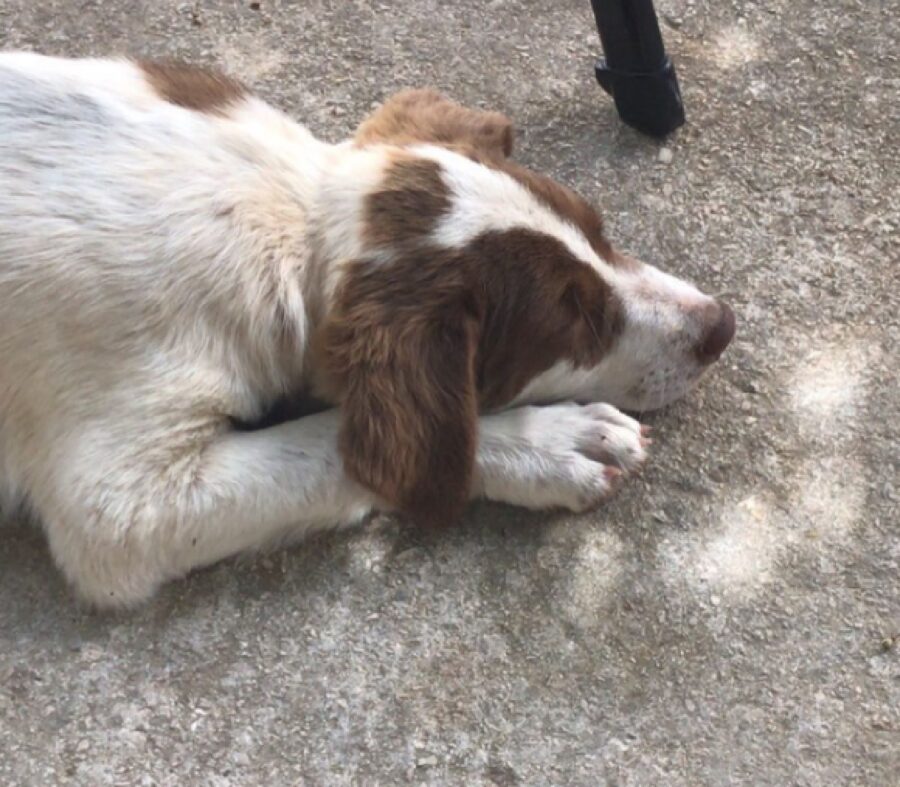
557	456
121	526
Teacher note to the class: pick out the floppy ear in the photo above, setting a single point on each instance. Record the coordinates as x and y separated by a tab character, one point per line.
404	373
426	116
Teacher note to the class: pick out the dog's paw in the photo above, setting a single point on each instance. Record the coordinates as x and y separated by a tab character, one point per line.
567	455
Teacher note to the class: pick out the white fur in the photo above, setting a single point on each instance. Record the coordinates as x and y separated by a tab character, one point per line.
160	269
539	457
484	199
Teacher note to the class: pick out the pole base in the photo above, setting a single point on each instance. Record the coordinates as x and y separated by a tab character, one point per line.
649	102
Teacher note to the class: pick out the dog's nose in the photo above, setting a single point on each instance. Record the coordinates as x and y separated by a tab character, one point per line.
718	336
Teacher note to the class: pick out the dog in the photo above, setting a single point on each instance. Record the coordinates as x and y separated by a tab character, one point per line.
177	257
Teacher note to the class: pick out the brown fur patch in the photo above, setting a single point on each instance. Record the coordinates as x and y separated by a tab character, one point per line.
408	203
416	116
193	87
400	349
566	203
414	347
541	305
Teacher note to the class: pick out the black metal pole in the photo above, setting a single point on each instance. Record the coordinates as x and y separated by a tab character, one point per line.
635	70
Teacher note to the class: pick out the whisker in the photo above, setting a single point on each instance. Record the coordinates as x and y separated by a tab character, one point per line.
587	318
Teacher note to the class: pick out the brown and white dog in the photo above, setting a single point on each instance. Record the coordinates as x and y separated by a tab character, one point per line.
176	256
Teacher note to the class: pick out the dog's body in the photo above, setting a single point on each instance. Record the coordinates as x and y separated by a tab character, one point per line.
176	256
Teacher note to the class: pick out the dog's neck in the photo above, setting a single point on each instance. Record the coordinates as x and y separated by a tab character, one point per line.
298	219
336	217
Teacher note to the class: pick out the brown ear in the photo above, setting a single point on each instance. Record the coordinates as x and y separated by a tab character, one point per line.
404	372
426	116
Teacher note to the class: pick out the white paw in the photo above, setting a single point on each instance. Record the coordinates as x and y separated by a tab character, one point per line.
565	455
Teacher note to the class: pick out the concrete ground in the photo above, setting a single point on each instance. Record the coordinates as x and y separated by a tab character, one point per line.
731	618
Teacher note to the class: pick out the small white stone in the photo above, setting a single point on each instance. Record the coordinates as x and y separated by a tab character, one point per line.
665	155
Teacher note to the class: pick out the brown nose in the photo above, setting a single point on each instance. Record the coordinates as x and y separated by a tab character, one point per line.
717	336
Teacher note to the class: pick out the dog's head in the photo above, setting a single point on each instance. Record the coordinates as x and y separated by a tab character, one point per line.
466	282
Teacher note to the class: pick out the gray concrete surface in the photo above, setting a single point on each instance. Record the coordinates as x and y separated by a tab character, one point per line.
731	618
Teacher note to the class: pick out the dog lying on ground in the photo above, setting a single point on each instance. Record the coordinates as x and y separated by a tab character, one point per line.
176	256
